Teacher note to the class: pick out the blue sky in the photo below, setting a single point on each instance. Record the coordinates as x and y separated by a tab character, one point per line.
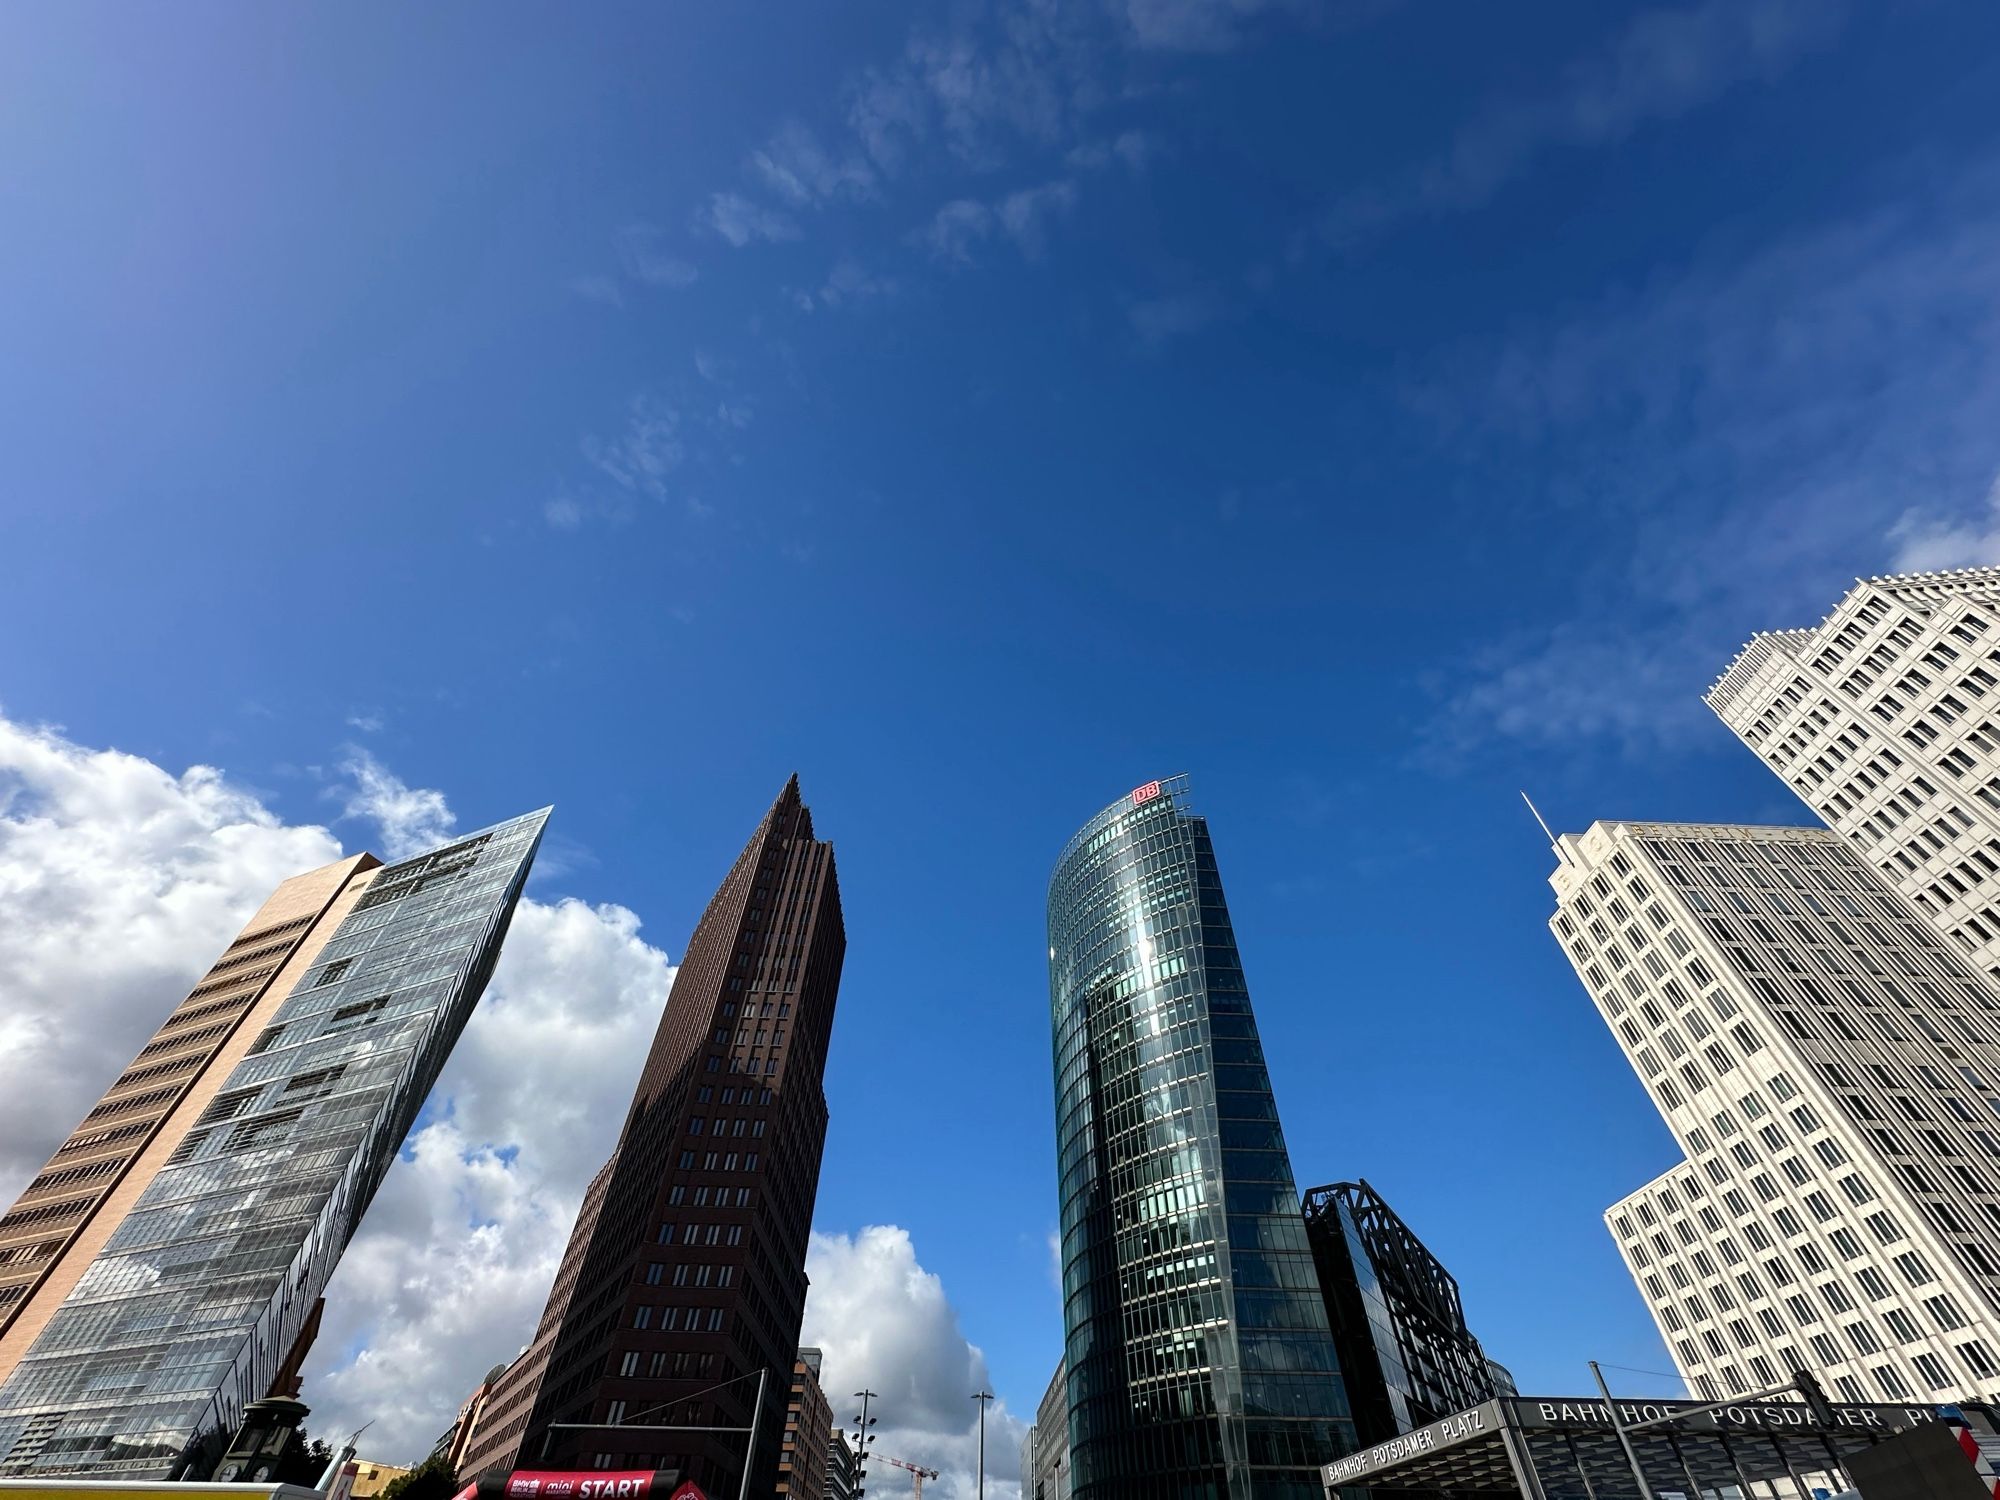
1372	409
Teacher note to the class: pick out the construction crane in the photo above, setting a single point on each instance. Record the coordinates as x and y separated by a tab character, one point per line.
918	1474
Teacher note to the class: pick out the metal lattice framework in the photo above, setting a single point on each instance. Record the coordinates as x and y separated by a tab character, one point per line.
1448	1370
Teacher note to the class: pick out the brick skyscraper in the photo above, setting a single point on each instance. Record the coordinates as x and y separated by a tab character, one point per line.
690	1279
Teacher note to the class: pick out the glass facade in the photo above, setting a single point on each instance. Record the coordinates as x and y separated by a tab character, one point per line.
1398	1324
196	1301
1200	1363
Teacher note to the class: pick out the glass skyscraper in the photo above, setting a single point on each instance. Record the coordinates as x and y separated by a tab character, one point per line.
1200	1363
198	1300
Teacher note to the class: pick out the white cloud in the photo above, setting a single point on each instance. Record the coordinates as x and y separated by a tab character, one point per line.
449	1271
1190	25
598	288
795	165
1025	215
1577	684
887	112
1926	543
955	228
123	881
367	720
640	458
739	221
411	819
1661	64
850	281
1134	149
643	253
562	513
1015	72
885	1324
1755	433
1157	319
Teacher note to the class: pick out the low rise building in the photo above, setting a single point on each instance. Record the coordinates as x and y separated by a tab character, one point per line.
802	1453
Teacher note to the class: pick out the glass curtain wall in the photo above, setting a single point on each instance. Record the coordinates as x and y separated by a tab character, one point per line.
1200	1363
195	1302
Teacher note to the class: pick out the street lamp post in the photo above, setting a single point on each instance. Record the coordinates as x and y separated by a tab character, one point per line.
862	1438
982	1397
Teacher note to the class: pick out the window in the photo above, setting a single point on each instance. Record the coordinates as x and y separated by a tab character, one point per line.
1902	1325
1914	1270
1945	1312
1933	1370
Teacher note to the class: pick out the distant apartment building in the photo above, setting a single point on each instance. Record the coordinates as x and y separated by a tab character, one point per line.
802	1453
454	1442
841	1483
1830	1065
371	1478
1406	1354
1045	1448
1885	719
683	1286
172	1274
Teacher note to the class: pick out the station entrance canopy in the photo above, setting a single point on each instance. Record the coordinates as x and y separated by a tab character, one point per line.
1565	1448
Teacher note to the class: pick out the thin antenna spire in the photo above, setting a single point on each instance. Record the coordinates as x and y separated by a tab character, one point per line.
1539	818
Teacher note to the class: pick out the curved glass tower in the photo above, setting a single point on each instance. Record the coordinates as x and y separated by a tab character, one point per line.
1200	1363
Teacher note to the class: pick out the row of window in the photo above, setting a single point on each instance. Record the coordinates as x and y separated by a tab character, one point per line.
700	1234
660	1273
697	1124
660	1364
676	1319
720	1161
